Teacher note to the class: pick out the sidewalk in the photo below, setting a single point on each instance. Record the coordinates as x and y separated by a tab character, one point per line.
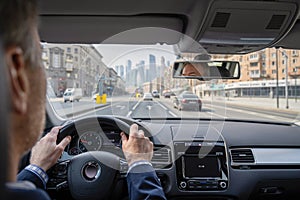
263	103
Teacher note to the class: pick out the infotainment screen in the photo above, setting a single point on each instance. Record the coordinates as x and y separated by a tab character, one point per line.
195	167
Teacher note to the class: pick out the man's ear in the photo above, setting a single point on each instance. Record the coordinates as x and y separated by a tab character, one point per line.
18	79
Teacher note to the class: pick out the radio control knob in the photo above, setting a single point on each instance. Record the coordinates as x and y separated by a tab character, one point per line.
223	184
183	184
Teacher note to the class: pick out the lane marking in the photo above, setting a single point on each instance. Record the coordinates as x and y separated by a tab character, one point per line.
221	116
120	107
171	113
92	111
133	108
162	105
167	109
136	105
128	115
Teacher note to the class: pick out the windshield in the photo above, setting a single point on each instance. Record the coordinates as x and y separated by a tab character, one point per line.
111	79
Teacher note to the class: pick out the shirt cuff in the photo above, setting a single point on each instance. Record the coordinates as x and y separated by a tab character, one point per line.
39	172
138	163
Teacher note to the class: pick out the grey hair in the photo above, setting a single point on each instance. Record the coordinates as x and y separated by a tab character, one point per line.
17	20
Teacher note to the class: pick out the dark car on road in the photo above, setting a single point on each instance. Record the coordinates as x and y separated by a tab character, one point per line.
187	101
168	94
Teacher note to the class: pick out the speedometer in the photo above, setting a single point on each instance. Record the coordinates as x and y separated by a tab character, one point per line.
89	141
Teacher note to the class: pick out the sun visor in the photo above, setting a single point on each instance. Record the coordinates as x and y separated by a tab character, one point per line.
96	29
239	27
292	39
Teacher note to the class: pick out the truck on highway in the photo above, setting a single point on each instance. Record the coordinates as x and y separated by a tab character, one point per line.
72	94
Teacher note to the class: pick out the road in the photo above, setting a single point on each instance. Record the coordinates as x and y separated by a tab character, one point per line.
163	108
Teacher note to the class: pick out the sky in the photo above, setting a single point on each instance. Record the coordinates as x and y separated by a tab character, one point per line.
119	54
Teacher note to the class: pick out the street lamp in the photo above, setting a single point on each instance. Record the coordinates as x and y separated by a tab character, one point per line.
277	84
286	79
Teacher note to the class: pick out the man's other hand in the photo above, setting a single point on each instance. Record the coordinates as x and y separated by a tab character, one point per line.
137	147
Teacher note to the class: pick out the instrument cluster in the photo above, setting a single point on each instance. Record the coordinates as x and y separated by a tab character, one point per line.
94	140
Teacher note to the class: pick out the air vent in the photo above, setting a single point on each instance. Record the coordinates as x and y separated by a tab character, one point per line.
276	22
220	20
242	156
161	157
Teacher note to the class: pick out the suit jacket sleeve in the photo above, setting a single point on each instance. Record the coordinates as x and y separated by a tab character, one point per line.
26	194
143	183
26	175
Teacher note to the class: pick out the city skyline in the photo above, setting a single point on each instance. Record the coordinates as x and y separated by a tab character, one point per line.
114	55
139	74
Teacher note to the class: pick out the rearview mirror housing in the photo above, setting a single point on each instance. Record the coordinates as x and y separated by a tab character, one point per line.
206	70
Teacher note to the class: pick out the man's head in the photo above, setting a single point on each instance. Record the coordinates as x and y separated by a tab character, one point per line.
195	69
21	44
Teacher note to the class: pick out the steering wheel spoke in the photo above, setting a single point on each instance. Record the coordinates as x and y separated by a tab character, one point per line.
58	174
123	168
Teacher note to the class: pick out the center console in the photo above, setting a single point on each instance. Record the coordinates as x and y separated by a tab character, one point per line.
201	165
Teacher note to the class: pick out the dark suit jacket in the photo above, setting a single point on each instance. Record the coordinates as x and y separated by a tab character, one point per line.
26	175
14	192
143	183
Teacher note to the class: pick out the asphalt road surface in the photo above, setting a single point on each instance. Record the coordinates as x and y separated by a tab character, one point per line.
163	108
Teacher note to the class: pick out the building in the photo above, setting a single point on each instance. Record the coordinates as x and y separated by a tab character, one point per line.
122	71
258	75
128	69
140	79
72	66
152	67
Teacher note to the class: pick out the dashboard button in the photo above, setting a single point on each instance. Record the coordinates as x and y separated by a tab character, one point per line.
183	184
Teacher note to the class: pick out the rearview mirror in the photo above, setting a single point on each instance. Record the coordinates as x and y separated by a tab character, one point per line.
206	70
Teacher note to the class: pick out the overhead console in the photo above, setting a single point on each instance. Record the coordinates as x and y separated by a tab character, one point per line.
241	27
201	165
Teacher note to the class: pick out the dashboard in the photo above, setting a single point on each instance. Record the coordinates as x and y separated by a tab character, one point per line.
211	159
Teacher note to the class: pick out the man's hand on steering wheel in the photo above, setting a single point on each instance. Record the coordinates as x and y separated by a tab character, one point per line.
137	147
46	152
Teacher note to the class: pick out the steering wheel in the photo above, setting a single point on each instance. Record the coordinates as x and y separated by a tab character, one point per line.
89	175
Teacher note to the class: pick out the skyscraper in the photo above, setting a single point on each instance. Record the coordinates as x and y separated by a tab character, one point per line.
141	73
128	66
121	72
162	66
117	69
168	63
152	67
128	73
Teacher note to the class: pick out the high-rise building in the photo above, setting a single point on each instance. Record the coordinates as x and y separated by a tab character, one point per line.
128	66
121	72
128	73
168	63
152	67
117	69
141	73
162	66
